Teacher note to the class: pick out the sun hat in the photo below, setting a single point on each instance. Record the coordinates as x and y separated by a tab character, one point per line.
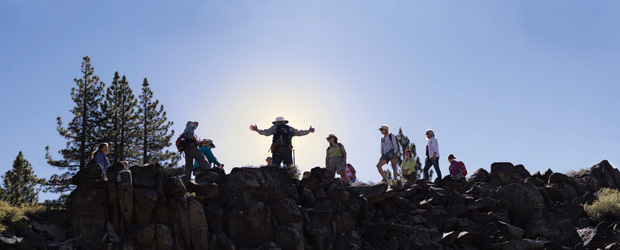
384	126
268	158
332	135
207	142
280	119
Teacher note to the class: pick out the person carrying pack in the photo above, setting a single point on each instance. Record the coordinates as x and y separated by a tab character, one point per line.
190	147
457	168
281	146
389	151
336	157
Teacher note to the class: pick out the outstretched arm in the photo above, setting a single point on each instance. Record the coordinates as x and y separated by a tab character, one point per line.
265	132
302	132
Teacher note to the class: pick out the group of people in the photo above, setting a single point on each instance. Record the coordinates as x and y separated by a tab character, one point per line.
199	155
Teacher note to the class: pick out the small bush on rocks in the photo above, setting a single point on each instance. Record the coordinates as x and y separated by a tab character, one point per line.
11	214
578	172
607	205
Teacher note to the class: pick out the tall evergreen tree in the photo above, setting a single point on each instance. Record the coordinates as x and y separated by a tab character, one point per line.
21	185
83	130
120	120
154	135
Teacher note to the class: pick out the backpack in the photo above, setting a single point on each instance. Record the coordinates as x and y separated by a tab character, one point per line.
397	149
463	169
340	145
181	143
283	136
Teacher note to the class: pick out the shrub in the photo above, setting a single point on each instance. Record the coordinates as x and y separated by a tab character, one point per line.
606	206
11	214
578	172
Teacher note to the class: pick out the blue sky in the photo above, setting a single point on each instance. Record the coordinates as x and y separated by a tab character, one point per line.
529	82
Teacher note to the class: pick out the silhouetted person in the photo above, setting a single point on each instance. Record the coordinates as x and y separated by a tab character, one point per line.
281	146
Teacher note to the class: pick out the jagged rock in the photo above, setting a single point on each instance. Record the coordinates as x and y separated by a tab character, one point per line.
52	231
369	191
599	237
198	227
511	232
286	213
559	177
147	176
145	201
505	173
481	175
215	217
307	198
263	208
90	175
163	237
252	227
86	204
144	236
521	200
250	185
449	238
605	174
124	189
289	238
180	206
466	237
174	187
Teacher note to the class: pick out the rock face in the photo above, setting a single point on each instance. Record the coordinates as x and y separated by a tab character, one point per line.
263	208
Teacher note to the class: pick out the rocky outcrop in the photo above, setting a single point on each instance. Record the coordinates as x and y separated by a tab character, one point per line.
263	208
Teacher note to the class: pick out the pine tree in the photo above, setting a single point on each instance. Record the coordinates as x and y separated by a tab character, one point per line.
120	120
82	132
153	130
21	185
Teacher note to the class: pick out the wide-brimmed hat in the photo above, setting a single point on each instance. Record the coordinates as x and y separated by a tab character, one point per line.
268	158
332	135
207	142
384	126
280	119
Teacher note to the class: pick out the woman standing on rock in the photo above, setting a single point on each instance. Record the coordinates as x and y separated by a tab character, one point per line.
99	156
432	154
336	157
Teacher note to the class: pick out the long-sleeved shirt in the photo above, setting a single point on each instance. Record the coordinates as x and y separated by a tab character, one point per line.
432	147
189	131
388	142
102	159
272	131
210	157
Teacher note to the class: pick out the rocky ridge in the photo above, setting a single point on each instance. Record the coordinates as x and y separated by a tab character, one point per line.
263	208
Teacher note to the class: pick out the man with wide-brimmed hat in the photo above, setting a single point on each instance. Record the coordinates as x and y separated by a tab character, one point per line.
281	146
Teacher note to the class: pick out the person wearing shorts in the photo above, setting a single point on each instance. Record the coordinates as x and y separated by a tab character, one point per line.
336	157
389	150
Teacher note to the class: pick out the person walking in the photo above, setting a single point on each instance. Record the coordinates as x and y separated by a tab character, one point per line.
389	151
409	167
457	168
432	154
100	156
191	150
336	157
281	146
